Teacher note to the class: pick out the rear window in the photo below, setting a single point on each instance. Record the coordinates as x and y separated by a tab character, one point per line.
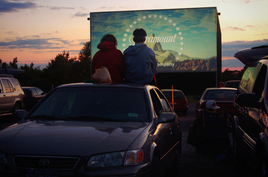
177	95
220	95
248	78
95	104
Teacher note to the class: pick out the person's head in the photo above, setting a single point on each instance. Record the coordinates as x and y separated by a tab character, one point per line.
139	35
109	37
211	105
29	93
221	84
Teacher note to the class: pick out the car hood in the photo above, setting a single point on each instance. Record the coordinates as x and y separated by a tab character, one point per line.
69	137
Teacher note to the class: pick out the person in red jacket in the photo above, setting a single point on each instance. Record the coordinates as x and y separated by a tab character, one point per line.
110	57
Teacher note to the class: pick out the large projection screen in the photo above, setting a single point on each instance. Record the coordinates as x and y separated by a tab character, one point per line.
184	40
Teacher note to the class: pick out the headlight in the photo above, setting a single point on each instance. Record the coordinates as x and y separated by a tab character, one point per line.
107	160
116	159
3	158
134	157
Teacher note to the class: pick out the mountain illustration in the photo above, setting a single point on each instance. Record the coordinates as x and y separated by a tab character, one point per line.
181	62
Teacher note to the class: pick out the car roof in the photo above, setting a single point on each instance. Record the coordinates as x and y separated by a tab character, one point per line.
126	85
27	87
175	90
221	88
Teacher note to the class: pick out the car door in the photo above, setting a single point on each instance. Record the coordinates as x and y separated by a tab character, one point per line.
250	125
8	96
167	134
2	100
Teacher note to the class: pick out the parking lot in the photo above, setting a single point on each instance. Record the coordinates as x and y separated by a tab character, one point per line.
193	163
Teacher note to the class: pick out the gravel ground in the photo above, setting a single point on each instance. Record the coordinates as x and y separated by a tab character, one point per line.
206	164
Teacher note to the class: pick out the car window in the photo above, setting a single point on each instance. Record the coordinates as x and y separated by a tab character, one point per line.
39	91
260	81
33	91
1	88
16	84
95	104
220	95
7	85
156	102
164	102
248	79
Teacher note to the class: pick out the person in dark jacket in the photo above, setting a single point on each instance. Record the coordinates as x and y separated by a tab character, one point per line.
110	57
140	60
29	100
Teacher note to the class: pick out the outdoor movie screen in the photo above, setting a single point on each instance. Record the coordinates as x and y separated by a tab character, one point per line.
184	40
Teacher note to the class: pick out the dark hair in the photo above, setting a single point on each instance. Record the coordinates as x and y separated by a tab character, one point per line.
109	37
139	35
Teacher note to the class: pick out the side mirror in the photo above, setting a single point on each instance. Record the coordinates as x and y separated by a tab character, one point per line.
248	100
21	113
166	117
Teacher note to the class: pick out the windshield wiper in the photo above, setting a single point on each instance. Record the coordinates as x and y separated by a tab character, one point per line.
44	117
90	118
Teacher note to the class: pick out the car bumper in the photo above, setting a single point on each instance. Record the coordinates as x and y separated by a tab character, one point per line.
142	170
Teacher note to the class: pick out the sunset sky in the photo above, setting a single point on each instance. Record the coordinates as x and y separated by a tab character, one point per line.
35	31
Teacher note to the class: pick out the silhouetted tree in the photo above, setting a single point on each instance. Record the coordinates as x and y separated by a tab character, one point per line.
57	71
13	64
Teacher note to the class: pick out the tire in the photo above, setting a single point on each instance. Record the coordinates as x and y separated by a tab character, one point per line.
15	108
157	170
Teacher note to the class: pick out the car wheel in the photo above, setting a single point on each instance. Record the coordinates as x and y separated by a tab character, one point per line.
15	108
157	170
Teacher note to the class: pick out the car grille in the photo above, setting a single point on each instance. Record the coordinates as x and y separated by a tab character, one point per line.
45	162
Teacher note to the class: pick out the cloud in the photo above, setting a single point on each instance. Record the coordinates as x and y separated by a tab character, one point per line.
80	14
11	6
35	43
59	8
233	28
230	48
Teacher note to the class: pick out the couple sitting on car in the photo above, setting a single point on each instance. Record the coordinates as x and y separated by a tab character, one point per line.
137	65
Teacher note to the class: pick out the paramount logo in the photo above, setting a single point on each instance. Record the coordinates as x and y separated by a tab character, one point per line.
161	39
158	39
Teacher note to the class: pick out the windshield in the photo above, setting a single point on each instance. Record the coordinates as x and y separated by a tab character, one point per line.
94	104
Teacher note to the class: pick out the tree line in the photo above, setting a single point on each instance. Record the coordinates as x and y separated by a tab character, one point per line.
60	70
65	69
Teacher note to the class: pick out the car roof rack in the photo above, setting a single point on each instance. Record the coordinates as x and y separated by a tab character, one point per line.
6	75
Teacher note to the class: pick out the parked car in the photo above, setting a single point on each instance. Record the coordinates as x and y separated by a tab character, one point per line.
94	130
250	121
37	92
180	101
11	95
232	83
224	98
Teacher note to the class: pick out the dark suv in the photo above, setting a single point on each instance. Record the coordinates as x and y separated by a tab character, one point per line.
250	128
11	94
